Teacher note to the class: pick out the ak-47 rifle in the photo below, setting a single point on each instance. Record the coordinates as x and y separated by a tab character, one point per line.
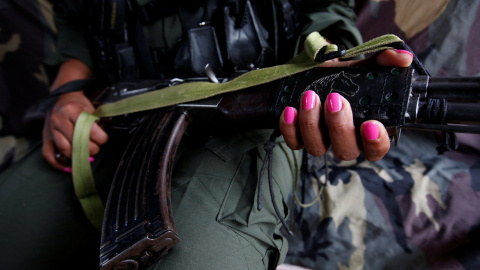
138	226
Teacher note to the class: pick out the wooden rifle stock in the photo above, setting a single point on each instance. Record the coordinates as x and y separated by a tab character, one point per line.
138	226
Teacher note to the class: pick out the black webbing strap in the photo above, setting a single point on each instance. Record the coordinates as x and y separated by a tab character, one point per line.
40	108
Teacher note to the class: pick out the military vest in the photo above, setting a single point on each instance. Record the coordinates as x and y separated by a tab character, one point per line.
228	35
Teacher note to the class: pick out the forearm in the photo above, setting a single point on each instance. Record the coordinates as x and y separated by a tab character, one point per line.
70	70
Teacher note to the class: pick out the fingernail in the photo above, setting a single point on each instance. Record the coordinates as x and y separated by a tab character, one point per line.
67	169
309	100
91	159
289	115
371	130
334	102
404	51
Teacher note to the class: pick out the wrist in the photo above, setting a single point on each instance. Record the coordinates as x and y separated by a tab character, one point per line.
70	70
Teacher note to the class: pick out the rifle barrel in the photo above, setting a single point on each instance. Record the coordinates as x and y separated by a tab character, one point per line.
462	111
446	128
454	88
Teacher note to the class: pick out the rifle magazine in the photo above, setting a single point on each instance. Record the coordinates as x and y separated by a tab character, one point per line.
138	226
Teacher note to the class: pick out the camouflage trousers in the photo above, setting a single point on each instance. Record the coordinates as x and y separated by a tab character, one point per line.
414	209
12	150
27	38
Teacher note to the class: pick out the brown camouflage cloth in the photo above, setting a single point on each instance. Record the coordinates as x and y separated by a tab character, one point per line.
26	38
414	209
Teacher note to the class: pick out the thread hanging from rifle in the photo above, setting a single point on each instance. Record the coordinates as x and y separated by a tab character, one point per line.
267	164
435	112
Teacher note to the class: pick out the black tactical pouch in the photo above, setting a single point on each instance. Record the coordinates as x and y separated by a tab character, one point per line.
126	61
246	38
204	49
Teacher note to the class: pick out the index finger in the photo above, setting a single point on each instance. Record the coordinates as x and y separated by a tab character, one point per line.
394	58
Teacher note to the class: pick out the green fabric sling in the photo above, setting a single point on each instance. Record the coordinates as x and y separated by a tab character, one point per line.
315	46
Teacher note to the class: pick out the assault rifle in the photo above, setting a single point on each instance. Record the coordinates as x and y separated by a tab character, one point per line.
138	226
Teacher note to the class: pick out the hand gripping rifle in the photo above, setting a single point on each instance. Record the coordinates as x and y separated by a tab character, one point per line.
138	227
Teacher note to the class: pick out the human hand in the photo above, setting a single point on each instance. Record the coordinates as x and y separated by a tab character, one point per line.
59	126
302	128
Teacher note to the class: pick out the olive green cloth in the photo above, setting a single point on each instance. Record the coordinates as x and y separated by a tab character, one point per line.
42	225
214	196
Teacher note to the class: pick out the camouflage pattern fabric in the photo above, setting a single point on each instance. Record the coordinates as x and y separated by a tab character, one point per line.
443	33
26	38
414	209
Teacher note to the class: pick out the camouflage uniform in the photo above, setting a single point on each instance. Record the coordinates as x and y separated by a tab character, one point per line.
414	209
26	38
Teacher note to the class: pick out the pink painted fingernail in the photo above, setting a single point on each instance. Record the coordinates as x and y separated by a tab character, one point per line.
309	100
334	102
91	159
404	51
289	115
371	130
67	169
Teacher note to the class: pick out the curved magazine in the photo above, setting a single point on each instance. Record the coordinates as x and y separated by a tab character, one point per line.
138	227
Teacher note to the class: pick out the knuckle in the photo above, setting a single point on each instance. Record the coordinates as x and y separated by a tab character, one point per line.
309	124
340	127
103	141
94	149
69	108
295	146
55	120
63	148
376	154
293	143
347	156
46	155
316	151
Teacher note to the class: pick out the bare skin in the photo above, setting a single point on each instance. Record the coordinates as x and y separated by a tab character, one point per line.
303	132
60	122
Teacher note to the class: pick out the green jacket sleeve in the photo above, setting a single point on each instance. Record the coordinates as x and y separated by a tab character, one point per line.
335	20
71	40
